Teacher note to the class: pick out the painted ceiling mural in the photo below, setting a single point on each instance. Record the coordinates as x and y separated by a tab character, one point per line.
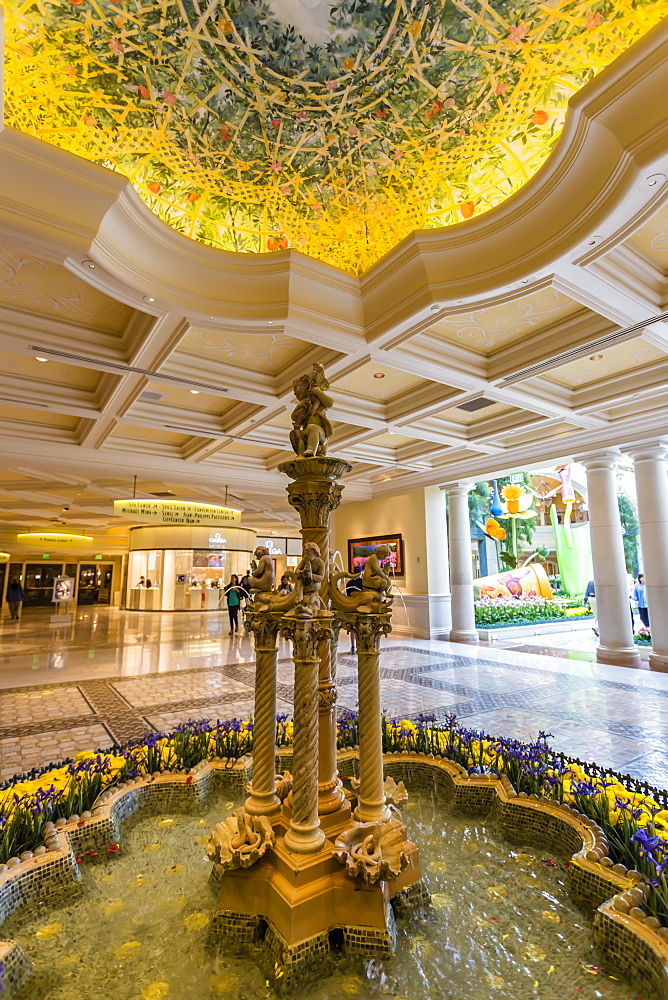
257	125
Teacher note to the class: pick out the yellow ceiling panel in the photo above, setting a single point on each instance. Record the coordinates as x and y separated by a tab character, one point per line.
616	360
363	382
465	417
265	352
486	330
28	282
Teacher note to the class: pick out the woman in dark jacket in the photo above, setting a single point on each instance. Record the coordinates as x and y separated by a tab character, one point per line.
234	592
15	598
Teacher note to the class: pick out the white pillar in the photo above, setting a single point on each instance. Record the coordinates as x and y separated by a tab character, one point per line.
461	571
610	580
652	491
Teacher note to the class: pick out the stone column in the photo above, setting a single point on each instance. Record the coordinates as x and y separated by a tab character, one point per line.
612	597
262	800
314	493
305	835
461	571
371	805
652	491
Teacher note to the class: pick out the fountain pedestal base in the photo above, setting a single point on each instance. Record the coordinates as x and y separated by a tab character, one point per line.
304	905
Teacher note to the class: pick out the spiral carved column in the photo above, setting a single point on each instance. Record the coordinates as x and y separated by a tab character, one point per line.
262	800
305	835
371	805
314	493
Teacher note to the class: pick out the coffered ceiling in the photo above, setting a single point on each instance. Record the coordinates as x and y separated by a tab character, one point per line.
526	336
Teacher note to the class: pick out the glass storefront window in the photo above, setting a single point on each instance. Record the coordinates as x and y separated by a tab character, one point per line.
183	579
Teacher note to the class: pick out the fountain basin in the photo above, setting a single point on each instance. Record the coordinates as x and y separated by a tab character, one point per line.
624	938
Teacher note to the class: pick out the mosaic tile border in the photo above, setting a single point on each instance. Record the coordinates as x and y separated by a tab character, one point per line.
633	942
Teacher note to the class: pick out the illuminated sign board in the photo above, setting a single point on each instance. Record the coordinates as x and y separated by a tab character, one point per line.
176	512
217	539
276	546
57	540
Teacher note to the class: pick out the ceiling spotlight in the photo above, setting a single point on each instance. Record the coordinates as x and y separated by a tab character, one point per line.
149	298
270	322
525	281
194	392
43	360
459	301
378	375
210	317
594	240
435	308
596	357
651	182
89	264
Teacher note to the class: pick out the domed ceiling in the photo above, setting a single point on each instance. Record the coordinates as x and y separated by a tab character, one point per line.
337	130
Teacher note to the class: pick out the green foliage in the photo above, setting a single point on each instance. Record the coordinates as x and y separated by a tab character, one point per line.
629	517
500	612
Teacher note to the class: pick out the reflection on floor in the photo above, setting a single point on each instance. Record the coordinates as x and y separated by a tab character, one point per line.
112	675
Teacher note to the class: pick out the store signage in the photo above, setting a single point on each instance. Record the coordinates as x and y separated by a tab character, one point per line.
217	539
36	539
517	477
4	557
276	546
176	512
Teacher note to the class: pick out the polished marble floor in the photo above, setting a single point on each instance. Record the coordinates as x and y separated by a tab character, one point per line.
111	675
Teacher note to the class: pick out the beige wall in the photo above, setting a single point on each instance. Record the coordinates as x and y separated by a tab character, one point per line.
419	516
404	514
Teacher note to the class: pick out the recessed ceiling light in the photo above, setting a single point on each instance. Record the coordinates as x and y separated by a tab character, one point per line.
596	357
459	301
194	392
435	308
210	317
43	360
89	263
378	375
651	182
270	322
149	298
525	281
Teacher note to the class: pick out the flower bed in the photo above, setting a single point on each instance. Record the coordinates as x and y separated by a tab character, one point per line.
498	612
635	824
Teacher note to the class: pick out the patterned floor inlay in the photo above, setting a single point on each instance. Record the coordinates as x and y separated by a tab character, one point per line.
168	669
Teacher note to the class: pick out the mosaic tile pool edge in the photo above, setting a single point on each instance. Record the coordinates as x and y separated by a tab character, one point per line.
624	939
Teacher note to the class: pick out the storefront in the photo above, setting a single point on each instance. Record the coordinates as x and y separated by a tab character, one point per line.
36	559
183	568
286	552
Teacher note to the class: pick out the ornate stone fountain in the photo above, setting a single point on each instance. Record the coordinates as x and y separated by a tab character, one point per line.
303	862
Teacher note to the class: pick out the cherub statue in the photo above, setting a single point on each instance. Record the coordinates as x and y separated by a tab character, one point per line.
262	570
375	585
311	428
309	575
374	576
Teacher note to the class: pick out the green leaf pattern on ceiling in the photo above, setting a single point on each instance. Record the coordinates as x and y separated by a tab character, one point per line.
241	133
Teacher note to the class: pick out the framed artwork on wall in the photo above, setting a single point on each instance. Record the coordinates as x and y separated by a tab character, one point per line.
359	550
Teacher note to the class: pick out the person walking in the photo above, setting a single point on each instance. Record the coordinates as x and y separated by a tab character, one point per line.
246	583
589	601
15	598
234	592
639	595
